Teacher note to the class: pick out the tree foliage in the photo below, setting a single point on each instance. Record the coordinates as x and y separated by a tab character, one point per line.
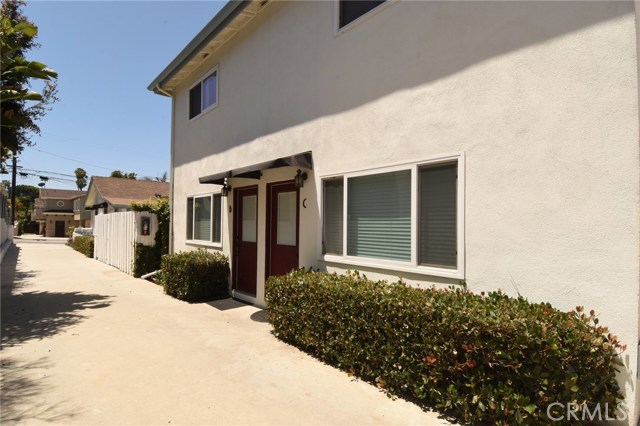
19	117
123	175
25	203
81	178
161	178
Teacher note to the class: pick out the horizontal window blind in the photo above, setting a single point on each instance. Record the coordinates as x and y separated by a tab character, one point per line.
379	216
333	214
202	219
438	216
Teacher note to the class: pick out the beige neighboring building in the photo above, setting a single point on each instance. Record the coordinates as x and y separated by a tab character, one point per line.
109	195
495	143
55	213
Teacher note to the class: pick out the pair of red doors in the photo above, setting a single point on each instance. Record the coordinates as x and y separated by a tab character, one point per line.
282	223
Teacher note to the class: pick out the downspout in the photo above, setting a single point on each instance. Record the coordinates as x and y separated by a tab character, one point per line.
158	89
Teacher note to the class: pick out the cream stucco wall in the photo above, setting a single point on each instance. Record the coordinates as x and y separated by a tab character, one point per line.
541	97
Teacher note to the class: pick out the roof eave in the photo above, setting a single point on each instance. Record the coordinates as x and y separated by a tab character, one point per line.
228	12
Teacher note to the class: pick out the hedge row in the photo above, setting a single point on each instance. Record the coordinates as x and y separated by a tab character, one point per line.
479	358
196	275
83	244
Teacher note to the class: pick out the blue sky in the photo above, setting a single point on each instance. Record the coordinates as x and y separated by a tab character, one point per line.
106	54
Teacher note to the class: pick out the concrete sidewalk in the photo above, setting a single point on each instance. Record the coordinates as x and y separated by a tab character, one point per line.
86	344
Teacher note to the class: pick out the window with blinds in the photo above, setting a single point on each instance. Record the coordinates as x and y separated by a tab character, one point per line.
333	213
379	210
379	216
204	216
438	216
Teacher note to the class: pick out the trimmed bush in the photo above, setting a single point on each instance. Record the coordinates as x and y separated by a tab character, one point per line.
83	244
195	275
478	358
146	259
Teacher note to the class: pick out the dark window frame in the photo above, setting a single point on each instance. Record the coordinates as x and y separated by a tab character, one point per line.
350	11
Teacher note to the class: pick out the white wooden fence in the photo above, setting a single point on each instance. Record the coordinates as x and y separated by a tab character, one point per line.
116	234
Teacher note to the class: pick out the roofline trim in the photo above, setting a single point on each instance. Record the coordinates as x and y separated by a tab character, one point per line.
228	12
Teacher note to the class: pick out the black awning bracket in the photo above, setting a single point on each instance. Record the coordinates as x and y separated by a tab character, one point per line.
254	171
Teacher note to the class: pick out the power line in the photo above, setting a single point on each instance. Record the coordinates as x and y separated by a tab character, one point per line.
44	171
71	159
45	178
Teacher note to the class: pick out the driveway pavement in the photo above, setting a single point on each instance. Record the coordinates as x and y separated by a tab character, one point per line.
86	344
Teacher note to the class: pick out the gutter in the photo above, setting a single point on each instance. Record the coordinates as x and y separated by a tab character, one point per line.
228	12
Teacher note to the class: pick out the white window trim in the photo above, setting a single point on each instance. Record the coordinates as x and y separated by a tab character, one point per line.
336	16
210	242
200	80
395	265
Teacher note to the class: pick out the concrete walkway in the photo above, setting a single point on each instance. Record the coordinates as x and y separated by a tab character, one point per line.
86	344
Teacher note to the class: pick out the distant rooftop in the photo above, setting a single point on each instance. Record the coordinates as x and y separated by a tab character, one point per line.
120	191
60	194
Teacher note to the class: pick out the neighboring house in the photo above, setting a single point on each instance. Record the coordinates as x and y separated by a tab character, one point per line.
54	211
81	216
108	195
494	143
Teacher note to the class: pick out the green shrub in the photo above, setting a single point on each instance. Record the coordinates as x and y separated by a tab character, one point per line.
146	259
84	245
479	358
195	275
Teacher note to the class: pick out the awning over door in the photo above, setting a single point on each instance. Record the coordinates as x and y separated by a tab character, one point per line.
253	172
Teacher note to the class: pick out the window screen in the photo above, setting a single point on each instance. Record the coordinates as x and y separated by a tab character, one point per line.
202	219
195	101
209	88
333	213
379	216
217	218
438	216
189	218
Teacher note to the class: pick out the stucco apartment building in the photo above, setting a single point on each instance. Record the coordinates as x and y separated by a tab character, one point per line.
494	143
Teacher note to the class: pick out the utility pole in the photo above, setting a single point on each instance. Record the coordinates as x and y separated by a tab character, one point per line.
13	189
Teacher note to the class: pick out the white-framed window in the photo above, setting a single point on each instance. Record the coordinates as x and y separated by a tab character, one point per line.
349	12
204	219
406	218
203	95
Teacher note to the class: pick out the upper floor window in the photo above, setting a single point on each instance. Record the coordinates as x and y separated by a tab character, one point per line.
204	95
350	10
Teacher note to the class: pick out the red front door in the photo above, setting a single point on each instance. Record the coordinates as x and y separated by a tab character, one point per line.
282	228
245	231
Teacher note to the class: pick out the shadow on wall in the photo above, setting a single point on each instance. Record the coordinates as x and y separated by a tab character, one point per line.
37	314
23	387
443	39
